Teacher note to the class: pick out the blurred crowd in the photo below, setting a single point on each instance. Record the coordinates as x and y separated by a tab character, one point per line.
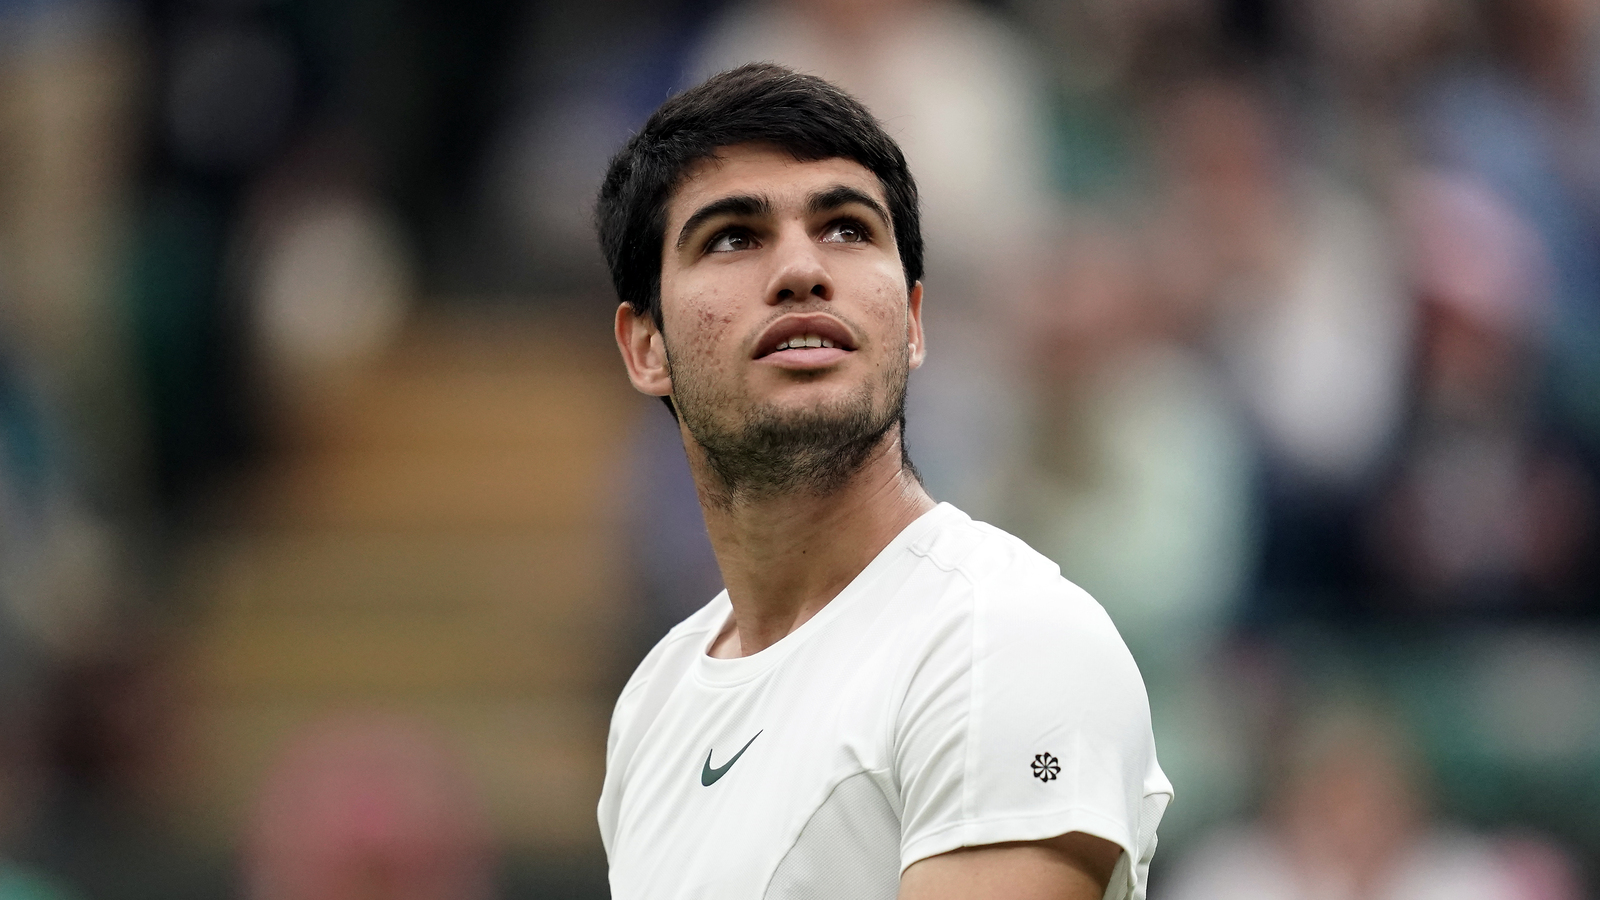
1275	322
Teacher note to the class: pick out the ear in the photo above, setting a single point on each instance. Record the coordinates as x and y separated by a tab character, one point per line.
643	352
914	337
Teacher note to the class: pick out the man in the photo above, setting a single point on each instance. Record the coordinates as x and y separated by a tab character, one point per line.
889	699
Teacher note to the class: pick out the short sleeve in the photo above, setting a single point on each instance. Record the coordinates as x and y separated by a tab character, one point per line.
1028	719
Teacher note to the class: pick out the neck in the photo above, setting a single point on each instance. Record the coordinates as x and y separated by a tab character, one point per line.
785	556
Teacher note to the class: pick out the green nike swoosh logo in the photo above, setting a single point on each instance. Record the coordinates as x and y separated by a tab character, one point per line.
709	776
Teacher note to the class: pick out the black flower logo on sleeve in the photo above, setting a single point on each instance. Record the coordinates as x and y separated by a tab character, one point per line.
1046	767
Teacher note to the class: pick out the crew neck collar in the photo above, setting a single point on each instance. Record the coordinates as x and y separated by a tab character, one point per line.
727	672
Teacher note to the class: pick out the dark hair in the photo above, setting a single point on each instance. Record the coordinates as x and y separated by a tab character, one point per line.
756	103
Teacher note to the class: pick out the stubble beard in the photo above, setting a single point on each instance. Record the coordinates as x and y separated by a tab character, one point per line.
771	452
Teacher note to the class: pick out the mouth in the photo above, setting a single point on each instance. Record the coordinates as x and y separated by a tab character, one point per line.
805	339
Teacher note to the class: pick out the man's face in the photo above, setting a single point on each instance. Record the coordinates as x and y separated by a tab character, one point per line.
786	323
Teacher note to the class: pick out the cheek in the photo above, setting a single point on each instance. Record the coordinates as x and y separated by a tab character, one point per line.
699	326
888	314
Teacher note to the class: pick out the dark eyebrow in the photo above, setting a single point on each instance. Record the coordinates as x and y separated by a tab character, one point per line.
736	205
844	195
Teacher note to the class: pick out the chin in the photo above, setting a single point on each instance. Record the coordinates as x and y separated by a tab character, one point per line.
824	389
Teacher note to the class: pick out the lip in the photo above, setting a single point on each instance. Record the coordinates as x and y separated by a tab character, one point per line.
819	324
805	358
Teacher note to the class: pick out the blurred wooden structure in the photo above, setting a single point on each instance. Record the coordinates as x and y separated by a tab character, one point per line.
436	537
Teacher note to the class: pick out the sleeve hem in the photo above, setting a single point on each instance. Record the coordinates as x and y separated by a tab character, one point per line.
1001	829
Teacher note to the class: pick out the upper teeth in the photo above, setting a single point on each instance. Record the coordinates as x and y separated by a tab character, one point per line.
804	340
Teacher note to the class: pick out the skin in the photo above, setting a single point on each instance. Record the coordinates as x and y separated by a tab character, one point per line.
726	281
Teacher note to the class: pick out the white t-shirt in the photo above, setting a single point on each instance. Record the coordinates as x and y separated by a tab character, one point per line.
958	692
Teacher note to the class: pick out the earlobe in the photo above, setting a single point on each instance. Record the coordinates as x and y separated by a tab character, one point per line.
643	352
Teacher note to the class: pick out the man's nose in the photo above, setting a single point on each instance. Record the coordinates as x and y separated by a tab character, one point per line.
800	272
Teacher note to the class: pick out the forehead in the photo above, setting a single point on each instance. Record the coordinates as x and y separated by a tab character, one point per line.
766	171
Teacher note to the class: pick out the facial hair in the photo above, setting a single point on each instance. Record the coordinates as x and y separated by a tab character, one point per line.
775	452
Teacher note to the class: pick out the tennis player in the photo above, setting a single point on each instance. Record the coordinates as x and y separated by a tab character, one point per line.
890	699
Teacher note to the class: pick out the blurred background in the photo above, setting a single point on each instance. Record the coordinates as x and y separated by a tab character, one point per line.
330	526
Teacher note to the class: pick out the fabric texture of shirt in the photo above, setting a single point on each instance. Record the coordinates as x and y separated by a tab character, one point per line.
959	692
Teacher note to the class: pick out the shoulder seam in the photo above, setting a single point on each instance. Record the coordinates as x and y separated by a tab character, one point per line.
660	648
958	568
985	533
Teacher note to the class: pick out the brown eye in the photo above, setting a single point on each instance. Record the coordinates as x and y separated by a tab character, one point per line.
729	241
846	232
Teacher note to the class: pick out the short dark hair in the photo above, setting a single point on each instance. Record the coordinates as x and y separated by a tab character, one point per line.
804	115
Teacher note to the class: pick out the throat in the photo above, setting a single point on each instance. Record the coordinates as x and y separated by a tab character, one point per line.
748	632
786	559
